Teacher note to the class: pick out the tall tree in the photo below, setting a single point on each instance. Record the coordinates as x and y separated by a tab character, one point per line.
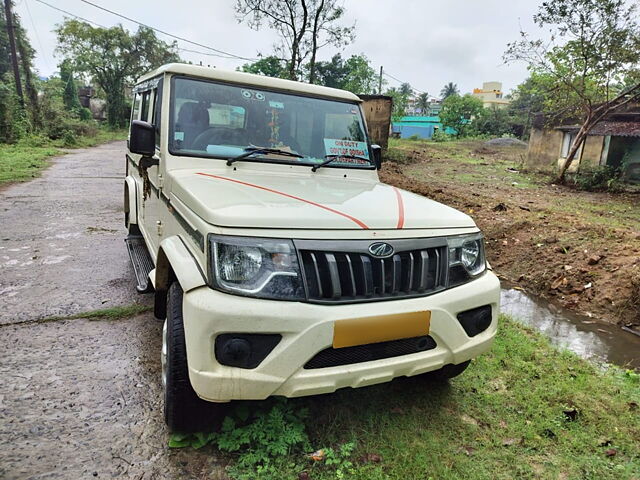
70	92
448	90
304	27
423	103
592	58
406	90
458	112
113	57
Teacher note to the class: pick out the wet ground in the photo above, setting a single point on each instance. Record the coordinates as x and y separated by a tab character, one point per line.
61	238
587	337
78	398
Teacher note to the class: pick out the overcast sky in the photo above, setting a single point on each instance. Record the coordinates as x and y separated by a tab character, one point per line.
422	42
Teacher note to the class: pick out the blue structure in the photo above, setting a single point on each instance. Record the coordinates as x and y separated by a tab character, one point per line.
423	127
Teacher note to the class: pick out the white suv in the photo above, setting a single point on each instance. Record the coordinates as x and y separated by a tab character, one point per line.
281	264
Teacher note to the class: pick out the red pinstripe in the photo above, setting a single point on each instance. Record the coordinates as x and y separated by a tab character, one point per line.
400	208
353	219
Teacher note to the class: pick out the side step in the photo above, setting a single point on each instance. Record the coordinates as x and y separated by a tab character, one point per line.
141	261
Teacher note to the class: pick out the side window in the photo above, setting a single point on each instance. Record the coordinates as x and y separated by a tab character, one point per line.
156	117
146	100
135	111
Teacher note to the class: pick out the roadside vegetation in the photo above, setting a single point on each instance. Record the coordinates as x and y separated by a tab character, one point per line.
25	159
579	249
524	410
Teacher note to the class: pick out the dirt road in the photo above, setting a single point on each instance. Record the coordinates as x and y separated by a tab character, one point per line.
78	398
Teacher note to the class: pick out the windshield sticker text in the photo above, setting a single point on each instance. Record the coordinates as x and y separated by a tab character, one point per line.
333	146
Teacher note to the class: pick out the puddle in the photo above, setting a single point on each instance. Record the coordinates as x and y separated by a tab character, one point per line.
586	337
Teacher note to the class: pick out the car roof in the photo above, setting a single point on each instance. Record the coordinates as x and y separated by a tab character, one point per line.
249	79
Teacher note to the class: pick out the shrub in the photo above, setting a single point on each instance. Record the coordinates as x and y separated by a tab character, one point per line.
414	138
603	178
440	136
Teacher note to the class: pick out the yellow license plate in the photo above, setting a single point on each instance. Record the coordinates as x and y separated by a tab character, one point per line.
360	331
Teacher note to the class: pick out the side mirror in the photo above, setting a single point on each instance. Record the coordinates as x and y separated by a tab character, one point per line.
377	155
142	139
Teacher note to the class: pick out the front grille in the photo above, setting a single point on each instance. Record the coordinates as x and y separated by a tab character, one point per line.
343	276
333	357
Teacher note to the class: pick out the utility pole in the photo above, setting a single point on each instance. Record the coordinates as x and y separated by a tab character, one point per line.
379	81
12	45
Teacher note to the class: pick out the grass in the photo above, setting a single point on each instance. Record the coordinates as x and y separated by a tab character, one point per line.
26	159
524	410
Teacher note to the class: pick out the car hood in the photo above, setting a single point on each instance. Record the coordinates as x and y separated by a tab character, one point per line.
307	201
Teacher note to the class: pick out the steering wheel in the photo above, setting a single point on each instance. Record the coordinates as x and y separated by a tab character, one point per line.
214	136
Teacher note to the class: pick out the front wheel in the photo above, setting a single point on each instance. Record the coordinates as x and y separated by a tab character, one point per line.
184	411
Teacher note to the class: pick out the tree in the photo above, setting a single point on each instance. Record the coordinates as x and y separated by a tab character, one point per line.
270	66
448	90
70	92
400	102
534	95
406	90
354	74
423	103
592	59
304	27
113	57
493	120
457	112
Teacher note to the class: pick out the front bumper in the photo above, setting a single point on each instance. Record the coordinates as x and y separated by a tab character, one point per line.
307	329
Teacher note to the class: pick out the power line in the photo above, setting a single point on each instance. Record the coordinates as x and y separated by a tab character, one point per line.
400	81
231	55
35	30
70	14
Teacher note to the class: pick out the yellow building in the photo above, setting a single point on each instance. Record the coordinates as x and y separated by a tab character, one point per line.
491	94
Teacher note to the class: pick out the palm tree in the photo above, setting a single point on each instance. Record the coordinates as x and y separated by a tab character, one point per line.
423	103
448	90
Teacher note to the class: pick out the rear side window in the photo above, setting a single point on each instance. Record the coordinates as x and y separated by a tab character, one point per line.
146	100
135	111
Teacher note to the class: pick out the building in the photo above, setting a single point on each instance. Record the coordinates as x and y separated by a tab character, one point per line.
422	127
491	94
614	141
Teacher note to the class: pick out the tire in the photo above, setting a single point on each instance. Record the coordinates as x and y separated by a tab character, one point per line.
184	411
448	371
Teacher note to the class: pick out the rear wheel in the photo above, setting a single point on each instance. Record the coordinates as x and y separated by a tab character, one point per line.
184	411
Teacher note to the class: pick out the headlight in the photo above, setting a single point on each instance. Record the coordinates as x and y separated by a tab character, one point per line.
257	267
466	258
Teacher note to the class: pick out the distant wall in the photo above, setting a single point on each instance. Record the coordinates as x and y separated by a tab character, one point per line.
544	149
406	131
377	113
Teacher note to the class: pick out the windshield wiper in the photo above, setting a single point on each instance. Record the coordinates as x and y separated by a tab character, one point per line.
331	158
262	150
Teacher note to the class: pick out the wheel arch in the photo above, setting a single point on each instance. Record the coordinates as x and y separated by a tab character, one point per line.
174	262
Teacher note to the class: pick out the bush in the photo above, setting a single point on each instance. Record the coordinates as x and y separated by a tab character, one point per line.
414	138
604	179
440	136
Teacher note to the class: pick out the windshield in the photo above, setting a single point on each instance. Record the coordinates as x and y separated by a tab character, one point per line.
217	120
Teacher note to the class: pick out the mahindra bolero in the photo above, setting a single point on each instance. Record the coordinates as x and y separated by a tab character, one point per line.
278	261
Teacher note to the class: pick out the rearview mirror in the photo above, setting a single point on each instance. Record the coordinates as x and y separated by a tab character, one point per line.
377	155
142	140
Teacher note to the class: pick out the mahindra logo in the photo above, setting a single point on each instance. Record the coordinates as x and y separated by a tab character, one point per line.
380	249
